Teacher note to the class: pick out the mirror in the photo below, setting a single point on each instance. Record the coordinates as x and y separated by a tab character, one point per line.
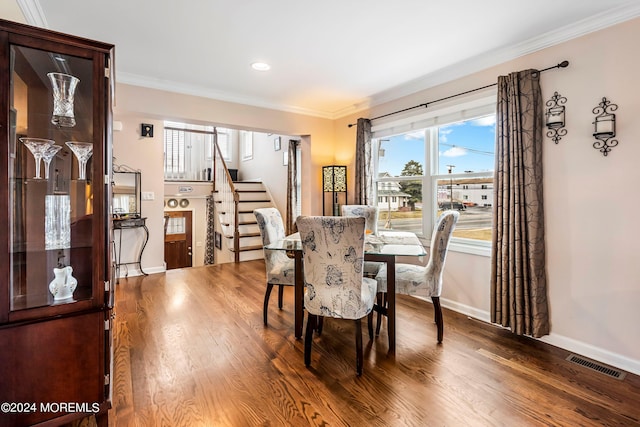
126	194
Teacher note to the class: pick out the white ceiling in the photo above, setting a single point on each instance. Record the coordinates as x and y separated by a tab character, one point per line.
329	58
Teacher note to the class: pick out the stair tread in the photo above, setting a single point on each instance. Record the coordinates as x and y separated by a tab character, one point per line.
245	235
249	248
251	191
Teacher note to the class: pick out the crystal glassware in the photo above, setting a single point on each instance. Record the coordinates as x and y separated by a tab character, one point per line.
64	87
37	146
82	151
47	156
57	222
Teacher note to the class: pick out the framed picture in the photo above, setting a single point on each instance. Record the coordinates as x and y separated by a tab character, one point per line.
285	158
218	240
277	143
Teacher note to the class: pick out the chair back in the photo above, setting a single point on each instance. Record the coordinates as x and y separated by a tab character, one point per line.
333	254
271	230
438	252
369	213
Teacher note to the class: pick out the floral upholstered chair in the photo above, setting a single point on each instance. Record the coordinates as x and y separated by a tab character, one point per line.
333	251
426	281
280	268
370	214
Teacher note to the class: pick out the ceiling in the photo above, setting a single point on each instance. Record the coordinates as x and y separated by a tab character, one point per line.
328	58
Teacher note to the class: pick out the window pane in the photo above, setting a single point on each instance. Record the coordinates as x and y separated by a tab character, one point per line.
396	152
400	205
467	146
472	197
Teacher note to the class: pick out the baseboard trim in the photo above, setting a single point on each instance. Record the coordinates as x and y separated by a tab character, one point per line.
132	272
587	350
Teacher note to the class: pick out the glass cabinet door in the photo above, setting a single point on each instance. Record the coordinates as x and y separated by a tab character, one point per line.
52	178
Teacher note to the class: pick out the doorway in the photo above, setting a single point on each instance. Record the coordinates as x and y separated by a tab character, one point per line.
178	239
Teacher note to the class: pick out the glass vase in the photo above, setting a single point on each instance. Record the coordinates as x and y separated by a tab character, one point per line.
82	151
57	222
64	87
37	146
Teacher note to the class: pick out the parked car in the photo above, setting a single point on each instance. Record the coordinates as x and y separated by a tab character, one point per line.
455	205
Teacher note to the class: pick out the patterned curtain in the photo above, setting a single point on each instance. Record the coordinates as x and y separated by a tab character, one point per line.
518	272
292	188
209	248
364	165
209	245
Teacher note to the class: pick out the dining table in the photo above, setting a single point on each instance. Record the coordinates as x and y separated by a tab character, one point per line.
383	246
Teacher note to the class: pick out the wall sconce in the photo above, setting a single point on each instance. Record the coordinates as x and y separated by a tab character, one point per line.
555	117
605	126
334	185
146	130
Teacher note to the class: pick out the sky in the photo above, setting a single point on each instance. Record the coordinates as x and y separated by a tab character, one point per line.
467	146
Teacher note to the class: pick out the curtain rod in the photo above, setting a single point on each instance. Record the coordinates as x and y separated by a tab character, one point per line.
563	64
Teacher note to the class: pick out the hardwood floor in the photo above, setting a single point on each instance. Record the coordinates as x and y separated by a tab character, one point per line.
191	350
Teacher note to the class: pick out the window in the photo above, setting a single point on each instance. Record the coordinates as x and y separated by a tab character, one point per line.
246	142
443	164
188	151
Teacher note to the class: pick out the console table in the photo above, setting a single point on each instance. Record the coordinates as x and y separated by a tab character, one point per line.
122	224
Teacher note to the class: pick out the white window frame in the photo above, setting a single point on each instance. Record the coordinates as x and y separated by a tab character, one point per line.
430	121
246	142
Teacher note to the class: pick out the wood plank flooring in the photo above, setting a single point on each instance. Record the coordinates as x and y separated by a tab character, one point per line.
191	350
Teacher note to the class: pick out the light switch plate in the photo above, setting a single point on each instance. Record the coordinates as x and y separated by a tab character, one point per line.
148	195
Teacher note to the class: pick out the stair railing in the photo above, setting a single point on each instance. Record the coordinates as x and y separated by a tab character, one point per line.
227	196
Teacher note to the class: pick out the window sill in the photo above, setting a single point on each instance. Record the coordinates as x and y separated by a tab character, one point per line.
467	246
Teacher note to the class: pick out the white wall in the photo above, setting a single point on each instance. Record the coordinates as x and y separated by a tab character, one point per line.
590	205
267	166
136	105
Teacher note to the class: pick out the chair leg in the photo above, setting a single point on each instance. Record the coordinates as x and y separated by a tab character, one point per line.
370	325
359	357
265	309
308	337
280	293
320	324
382	303
438	315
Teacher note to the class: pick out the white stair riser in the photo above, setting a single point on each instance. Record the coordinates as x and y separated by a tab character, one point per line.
250	228
251	255
253	196
248	186
250	206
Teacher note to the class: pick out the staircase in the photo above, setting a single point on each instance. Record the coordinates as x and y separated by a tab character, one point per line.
250	195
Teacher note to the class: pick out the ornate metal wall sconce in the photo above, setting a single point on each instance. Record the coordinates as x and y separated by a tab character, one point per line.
555	117
605	126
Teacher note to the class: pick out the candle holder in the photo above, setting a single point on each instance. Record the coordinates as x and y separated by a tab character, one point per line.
37	146
605	126
47	156
555	117
82	151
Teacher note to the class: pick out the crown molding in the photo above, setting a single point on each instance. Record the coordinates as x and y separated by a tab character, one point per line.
204	92
498	56
33	13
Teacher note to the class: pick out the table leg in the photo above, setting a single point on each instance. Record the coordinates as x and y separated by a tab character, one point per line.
298	294
390	310
391	302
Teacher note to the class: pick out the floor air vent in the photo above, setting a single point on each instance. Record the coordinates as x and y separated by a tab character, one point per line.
614	373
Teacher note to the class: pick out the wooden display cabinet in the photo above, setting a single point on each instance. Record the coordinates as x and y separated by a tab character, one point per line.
55	264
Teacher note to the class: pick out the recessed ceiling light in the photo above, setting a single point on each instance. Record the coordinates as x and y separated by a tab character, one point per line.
261	66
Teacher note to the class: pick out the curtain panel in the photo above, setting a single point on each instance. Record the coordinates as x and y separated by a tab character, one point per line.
292	188
518	271
364	164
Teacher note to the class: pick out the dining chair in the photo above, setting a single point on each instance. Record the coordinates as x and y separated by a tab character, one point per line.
370	214
333	254
425	281
280	268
